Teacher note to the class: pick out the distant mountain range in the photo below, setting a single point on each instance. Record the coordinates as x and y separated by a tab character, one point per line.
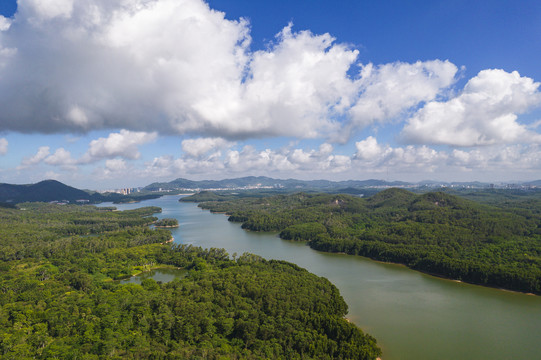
536	183
324	185
266	182
52	190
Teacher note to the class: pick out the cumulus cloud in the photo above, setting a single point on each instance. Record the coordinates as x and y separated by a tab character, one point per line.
368	149
485	113
250	160
177	66
3	146
115	169
495	160
388	90
375	156
5	23
115	165
53	175
294	88
371	157
318	160
202	146
138	64
516	158
61	157
123	144
38	10
41	154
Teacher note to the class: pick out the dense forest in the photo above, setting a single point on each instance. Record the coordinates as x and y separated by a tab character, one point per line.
60	298
497	243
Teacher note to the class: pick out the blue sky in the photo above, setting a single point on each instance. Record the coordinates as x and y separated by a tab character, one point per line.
110	94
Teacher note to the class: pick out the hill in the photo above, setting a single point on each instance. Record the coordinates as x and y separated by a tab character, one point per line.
45	191
435	232
52	190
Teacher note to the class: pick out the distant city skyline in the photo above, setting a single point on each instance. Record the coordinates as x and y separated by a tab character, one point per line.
110	94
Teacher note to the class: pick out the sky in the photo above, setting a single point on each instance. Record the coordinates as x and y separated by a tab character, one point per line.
108	94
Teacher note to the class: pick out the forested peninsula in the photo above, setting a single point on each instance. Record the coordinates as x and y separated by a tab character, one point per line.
438	233
60	296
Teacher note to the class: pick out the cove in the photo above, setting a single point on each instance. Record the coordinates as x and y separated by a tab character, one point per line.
414	316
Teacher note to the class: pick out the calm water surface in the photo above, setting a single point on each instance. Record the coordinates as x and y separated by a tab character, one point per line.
164	275
413	316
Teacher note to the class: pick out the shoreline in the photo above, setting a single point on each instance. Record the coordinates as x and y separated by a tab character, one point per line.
404	265
435	275
168	241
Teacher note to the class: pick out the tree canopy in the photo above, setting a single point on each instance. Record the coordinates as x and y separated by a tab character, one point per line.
59	297
446	235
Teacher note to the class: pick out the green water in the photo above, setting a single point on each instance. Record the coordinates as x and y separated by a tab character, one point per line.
414	316
162	275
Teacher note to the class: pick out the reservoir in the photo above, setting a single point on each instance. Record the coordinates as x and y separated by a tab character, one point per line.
413	316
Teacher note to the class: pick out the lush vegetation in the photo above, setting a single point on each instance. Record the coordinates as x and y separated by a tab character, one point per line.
434	232
166	223
58	297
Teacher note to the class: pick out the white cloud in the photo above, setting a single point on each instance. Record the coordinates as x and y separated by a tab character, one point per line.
77	116
138	64
368	149
490	163
317	161
5	23
168	167
378	157
115	165
284	162
116	169
38	10
61	157
372	159
177	66
500	158
123	144
41	154
3	146
52	175
292	89
202	146
485	113
388	90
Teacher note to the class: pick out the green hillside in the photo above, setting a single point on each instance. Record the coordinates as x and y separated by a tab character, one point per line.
45	191
52	190
434	232
59	298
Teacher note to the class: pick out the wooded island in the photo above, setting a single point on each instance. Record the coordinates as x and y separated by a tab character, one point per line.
166	223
